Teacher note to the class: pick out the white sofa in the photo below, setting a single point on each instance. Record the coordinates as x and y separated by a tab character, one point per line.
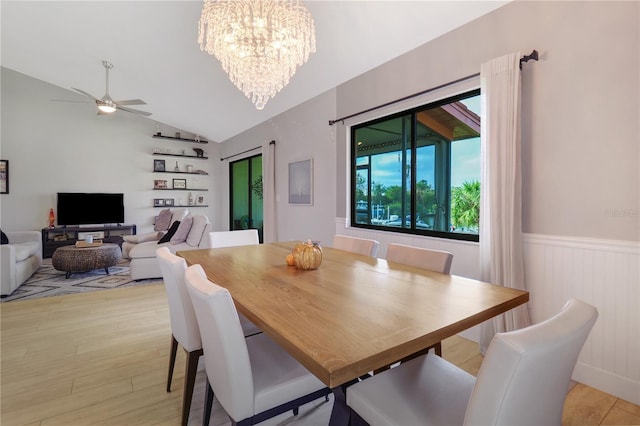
19	259
144	264
130	241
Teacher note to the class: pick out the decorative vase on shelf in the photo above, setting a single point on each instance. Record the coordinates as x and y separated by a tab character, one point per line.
190	199
176	168
52	218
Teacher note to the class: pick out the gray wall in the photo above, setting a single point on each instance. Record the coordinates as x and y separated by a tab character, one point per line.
580	113
300	133
66	147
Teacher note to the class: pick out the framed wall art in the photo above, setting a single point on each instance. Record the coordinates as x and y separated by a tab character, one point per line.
158	202
301	182
158	166
159	184
168	201
179	184
4	176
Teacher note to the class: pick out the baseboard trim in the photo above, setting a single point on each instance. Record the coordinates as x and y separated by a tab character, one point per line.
606	381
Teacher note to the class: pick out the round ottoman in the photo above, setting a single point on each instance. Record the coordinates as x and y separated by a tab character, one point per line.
82	259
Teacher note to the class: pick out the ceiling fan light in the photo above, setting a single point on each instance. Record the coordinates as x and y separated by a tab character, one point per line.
106	105
107	109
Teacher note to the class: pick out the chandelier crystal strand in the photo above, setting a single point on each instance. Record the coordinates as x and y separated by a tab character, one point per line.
260	43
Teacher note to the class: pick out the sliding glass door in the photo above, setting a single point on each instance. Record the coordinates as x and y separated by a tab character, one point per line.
245	177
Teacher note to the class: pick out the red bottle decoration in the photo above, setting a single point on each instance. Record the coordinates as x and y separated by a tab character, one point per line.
52	218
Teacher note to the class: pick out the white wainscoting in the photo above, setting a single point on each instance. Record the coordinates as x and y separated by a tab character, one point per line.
603	273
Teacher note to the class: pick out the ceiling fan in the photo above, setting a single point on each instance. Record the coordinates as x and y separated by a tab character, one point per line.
106	105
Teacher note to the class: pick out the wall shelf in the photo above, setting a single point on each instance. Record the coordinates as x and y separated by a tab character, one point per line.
184	173
180	189
179	139
181	155
160	166
164	207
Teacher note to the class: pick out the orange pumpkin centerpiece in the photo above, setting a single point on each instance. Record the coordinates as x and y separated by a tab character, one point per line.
307	255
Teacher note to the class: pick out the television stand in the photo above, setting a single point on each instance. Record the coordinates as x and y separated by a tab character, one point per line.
60	236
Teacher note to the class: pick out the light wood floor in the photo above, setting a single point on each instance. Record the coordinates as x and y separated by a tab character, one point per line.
101	358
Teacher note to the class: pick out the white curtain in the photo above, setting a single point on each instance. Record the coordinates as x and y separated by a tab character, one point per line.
501	260
270	228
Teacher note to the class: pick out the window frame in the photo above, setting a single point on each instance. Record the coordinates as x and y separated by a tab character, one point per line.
411	207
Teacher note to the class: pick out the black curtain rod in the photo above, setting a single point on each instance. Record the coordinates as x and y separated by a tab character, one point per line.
244	152
532	56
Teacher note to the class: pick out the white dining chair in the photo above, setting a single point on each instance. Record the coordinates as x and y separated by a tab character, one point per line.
254	379
433	260
523	380
363	246
184	326
243	237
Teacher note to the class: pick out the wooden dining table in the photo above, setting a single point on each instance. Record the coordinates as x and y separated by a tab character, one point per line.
352	315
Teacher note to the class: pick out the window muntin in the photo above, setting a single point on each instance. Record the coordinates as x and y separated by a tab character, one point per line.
418	171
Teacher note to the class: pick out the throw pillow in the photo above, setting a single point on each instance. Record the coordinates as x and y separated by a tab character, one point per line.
163	221
179	214
167	237
142	238
197	229
183	230
3	238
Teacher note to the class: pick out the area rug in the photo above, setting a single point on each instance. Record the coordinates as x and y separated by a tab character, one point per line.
47	282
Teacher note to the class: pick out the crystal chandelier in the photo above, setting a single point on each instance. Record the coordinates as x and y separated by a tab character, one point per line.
259	43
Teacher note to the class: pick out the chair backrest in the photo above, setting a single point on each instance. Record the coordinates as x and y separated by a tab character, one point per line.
184	325
434	260
357	245
525	375
226	356
243	237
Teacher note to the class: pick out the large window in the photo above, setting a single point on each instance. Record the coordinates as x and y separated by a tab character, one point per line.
418	171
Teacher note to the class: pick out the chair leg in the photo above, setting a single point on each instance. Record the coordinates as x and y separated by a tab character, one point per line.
172	361
356	420
190	370
208	404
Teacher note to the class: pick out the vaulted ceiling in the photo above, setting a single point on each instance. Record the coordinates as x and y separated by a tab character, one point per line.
153	47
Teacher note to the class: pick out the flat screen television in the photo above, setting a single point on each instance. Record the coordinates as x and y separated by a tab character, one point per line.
82	208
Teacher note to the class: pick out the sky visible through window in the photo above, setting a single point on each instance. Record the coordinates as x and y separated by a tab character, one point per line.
465	160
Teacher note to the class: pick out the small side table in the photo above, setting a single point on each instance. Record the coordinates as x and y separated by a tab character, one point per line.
72	259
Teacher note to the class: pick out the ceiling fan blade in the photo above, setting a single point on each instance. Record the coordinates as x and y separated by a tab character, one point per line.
131	102
69	100
134	111
85	93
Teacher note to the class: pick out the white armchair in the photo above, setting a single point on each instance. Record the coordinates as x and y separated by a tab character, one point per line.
19	259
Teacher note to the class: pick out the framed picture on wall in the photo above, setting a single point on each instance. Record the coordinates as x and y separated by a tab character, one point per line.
158	166
160	184
158	202
168	201
301	182
179	184
4	176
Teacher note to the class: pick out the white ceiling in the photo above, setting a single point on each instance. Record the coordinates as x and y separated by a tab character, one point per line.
153	46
